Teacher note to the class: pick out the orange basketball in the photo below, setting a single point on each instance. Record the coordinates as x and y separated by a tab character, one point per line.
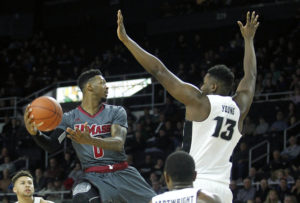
48	110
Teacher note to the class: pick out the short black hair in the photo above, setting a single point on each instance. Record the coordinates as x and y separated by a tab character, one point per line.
85	76
180	166
21	174
223	74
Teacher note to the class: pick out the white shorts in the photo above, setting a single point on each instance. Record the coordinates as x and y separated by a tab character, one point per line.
222	190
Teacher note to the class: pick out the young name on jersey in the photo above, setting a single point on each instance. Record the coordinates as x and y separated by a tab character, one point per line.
228	109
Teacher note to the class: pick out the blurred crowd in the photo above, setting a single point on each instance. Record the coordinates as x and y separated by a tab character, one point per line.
186	7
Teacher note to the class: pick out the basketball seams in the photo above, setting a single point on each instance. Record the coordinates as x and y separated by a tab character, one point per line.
54	119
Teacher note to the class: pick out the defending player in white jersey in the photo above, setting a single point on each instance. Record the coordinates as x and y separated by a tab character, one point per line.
179	174
214	120
24	188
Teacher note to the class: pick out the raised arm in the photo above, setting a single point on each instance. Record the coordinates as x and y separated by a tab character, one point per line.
182	91
246	88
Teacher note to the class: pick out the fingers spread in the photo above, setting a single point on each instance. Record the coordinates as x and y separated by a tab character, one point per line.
257	24
253	17
248	17
256	18
240	24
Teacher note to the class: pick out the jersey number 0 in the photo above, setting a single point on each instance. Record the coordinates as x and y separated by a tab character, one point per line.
98	152
226	134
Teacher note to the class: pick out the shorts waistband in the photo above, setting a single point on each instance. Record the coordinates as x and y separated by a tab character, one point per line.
108	168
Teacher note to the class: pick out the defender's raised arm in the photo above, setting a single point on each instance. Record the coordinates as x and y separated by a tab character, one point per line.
246	88
183	92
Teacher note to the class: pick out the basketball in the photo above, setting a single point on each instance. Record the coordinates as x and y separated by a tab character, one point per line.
48	110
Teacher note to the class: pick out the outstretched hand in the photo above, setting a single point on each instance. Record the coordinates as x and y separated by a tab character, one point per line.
30	124
121	29
248	30
80	137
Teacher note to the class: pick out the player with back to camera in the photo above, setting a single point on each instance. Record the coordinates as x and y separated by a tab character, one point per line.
24	188
214	120
98	133
179	174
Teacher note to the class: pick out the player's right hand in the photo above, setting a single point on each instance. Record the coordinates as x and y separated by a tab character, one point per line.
248	30
30	125
121	28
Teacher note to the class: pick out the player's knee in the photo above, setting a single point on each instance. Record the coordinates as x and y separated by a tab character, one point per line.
85	192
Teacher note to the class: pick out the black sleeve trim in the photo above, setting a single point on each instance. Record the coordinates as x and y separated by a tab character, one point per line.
49	143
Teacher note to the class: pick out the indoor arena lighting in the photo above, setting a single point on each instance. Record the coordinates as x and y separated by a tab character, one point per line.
117	89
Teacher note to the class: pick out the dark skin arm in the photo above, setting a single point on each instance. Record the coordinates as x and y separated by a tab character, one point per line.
246	88
184	92
114	143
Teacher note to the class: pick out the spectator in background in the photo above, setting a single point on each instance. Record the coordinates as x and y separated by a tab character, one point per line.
157	187
76	172
163	142
4	153
54	170
292	151
287	176
249	127
291	111
263	190
178	132
160	123
296	96
5	181
280	124
296	189
290	199
253	175
145	116
262	127
282	189
39	181
8	164
247	192
234	189
68	163
277	162
159	167
146	167
240	162
272	197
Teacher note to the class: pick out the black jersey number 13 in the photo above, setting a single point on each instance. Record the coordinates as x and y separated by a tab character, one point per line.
227	133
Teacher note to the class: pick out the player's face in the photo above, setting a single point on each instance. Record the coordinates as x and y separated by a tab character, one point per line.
24	186
100	88
208	85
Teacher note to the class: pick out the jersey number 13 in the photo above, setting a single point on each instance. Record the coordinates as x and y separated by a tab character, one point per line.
227	129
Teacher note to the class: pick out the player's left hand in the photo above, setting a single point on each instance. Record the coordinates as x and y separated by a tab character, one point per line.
80	137
121	28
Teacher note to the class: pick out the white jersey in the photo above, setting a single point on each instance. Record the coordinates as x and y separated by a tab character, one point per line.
38	200
187	195
212	141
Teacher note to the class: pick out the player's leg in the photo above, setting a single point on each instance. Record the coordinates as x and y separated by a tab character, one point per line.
85	192
132	186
